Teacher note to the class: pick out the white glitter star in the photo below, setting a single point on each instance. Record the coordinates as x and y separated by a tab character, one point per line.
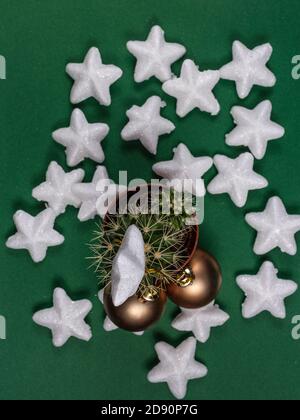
236	177
81	139
275	227
154	56
92	78
200	321
185	166
254	128
193	89
265	292
88	194
146	124
177	366
57	190
35	234
248	68
128	267
65	319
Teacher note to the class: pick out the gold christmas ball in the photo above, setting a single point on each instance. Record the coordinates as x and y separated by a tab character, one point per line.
137	313
199	284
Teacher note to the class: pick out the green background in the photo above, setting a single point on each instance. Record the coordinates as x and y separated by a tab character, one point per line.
254	359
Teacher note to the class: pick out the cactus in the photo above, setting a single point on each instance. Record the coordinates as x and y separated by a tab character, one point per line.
165	237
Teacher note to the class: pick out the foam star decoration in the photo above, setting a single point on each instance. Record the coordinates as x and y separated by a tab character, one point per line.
275	227
236	177
177	366
128	267
108	325
254	128
66	318
185	167
88	194
81	139
57	189
248	68
193	89
154	56
92	78
35	234
265	292
146	124
200	321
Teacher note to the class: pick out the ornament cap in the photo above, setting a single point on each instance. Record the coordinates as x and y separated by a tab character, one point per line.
186	278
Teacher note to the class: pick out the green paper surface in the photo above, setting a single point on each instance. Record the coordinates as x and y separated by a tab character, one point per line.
256	359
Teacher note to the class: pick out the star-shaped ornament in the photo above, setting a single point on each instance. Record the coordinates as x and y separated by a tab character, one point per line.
108	325
177	366
35	234
275	228
185	168
155	56
146	124
236	177
254	128
66	318
128	266
57	190
200	321
88	194
248	68
92	78
193	89
265	292
81	139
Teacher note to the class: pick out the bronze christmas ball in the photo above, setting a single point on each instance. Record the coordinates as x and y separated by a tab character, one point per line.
199	284
137	313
